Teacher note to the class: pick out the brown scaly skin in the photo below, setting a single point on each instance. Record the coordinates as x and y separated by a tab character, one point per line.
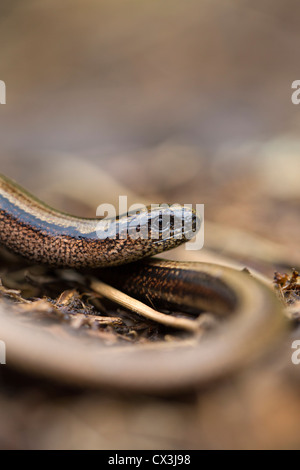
173	285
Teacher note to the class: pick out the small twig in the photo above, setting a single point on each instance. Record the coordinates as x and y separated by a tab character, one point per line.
142	309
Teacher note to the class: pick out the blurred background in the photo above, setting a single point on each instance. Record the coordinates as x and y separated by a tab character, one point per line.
166	101
177	102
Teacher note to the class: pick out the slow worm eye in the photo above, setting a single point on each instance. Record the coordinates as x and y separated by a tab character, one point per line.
161	223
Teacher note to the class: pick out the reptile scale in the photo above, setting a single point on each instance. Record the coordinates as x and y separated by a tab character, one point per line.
44	235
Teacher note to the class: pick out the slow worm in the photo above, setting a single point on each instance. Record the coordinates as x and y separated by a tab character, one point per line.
34	230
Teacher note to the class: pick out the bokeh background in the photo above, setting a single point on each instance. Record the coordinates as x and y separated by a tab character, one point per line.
164	101
121	75
177	102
